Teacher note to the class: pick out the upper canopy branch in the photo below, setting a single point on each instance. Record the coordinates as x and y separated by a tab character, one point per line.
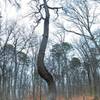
53	8
72	31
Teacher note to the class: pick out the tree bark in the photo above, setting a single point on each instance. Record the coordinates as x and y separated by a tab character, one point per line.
43	72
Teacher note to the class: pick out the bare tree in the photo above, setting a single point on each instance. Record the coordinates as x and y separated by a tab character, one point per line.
40	60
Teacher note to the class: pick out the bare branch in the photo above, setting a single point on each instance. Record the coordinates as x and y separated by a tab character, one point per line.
55	8
71	31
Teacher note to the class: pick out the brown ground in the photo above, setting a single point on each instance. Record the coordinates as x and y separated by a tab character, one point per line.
83	98
62	98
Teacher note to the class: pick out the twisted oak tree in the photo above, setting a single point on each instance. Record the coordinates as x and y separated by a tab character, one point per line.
43	72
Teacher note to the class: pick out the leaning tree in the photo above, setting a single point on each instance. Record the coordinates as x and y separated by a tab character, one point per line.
43	72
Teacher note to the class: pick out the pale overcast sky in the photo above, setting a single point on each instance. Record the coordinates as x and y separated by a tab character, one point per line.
12	12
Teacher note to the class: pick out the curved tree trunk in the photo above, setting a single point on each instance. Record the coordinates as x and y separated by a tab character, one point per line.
43	72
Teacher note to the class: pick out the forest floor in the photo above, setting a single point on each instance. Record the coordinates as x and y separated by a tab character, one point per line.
77	98
72	98
82	98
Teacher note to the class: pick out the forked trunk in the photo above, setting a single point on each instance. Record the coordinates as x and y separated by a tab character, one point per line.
43	72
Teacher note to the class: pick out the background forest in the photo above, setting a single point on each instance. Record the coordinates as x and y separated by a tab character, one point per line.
72	55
